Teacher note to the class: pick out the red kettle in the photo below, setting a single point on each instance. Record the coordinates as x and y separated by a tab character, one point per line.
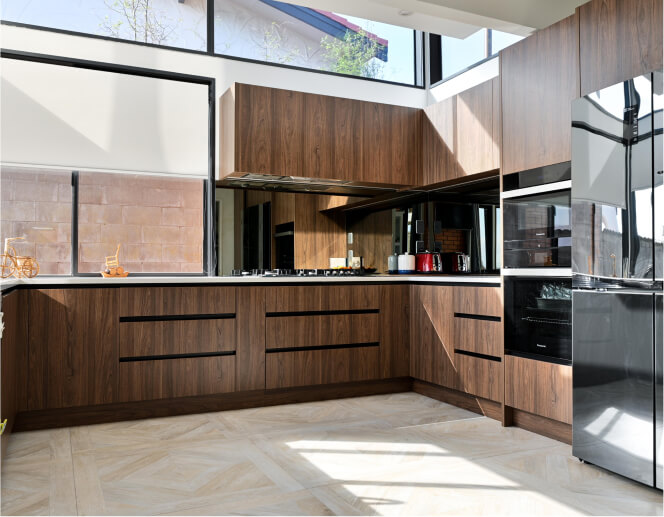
428	262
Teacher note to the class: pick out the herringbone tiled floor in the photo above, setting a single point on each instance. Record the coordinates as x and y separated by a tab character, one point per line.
401	454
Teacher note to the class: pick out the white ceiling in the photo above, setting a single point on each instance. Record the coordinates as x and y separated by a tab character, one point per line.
456	18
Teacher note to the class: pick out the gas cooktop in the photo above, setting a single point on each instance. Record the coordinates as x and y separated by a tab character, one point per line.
299	272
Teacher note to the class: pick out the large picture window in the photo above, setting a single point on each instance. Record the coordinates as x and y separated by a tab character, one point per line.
278	32
160	22
259	30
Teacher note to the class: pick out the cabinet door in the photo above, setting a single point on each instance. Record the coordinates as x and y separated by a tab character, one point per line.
539	79
619	39
475	126
432	350
538	387
395	331
73	347
439	142
252	134
14	359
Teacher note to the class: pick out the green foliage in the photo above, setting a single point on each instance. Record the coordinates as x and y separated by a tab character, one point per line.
272	45
353	55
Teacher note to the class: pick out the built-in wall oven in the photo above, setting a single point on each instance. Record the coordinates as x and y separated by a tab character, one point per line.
538	317
537	229
537	242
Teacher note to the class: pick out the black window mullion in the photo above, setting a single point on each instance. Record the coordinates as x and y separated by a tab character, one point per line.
210	26
74	223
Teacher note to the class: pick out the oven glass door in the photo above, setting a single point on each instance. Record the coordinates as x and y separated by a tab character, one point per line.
538	314
537	230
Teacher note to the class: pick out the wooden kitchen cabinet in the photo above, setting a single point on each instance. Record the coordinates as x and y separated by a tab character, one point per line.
73	347
14	360
431	330
477	149
618	40
439	142
461	134
539	80
335	333
286	133
446	351
538	387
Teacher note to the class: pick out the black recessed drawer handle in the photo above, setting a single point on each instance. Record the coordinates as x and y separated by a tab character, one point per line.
481	317
178	317
320	313
478	355
321	347
175	356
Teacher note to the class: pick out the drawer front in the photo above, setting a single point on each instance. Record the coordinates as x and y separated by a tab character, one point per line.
161	301
322	298
480	377
482	336
169	378
321	330
158	338
315	367
539	387
483	301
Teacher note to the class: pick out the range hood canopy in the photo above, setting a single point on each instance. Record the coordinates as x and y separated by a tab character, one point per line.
304	185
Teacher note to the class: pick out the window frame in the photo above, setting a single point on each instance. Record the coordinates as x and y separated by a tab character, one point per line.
489	54
209	258
210	50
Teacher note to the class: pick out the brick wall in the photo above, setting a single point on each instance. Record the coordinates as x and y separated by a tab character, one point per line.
158	221
452	240
37	205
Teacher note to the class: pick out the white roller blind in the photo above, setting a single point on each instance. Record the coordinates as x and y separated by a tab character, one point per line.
59	116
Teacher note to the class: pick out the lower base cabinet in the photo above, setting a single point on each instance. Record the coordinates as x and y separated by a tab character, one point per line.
538	387
315	367
460	353
172	378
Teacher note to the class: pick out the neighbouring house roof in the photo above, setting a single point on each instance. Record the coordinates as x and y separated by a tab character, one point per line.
329	23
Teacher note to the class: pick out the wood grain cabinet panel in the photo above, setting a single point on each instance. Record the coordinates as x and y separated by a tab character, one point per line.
315	367
150	338
14	360
476	150
322	298
539	387
480	377
432	350
73	347
439	142
478	336
321	330
170	378
619	39
250	351
395	313
176	301
539	80
287	133
481	301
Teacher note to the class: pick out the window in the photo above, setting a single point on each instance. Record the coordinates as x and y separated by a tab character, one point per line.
157	220
288	34
162	22
450	56
37	207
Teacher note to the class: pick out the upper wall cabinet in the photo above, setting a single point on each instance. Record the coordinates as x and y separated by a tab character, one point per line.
288	133
461	134
619	39
539	80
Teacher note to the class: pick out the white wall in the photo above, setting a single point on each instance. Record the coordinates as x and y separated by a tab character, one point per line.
225	71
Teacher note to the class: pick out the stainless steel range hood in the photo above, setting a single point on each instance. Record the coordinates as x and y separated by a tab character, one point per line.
307	185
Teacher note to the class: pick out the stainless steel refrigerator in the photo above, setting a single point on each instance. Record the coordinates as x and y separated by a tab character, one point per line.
617	268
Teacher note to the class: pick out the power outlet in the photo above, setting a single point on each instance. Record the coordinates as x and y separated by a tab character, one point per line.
350	237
